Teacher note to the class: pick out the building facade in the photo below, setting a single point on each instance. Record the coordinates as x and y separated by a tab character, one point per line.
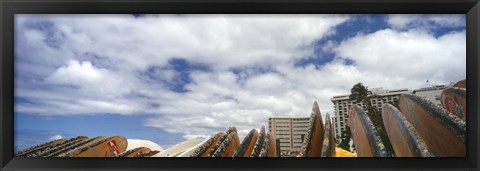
342	105
432	93
290	132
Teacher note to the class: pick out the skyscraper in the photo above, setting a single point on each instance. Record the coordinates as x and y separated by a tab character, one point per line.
342	104
290	131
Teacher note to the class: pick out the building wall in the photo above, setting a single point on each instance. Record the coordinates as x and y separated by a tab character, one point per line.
289	131
431	93
342	105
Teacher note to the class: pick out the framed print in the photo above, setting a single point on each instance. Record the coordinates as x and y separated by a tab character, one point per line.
227	85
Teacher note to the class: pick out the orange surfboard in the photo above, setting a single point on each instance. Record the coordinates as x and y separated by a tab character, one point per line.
228	146
328	149
365	137
269	147
246	147
110	147
258	145
135	152
455	101
313	141
443	132
403	137
205	149
461	84
39	147
57	147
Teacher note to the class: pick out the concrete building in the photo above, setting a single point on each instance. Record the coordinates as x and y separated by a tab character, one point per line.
290	131
432	93
342	104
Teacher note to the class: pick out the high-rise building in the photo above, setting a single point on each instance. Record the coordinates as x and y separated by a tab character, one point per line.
290	131
342	104
432	93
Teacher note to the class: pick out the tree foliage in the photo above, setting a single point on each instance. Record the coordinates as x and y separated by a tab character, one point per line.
359	93
345	143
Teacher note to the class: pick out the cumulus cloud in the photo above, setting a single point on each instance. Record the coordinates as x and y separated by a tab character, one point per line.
391	58
123	65
405	21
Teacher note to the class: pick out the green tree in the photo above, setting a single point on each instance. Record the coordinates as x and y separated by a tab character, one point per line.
359	93
345	143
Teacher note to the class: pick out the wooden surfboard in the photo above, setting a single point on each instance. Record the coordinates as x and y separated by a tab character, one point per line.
246	147
328	149
403	137
57	147
269	147
258	145
455	101
110	147
228	146
313	141
135	152
461	84
66	151
365	137
443	132
39	147
206	147
149	154
222	139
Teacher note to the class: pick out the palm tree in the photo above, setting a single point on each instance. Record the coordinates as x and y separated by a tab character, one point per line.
359	93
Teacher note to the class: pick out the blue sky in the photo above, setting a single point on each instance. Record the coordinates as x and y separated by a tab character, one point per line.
168	78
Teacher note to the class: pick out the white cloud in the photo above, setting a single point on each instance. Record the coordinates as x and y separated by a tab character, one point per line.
55	137
391	58
120	65
404	21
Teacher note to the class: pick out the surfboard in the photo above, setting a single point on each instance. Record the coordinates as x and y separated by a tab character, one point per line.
461	84
365	137
190	151
328	149
454	101
259	143
222	139
269	147
179	148
228	146
39	147
313	141
110	147
246	147
205	149
135	152
443	132
149	154
54	148
66	151
402	135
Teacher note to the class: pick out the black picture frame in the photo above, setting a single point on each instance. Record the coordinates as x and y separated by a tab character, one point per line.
11	7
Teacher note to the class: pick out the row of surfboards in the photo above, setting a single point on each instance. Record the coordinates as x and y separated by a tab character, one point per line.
83	146
419	128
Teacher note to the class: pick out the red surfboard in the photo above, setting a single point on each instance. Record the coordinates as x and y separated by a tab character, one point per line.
455	101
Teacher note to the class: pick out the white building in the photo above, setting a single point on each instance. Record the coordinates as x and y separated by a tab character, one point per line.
290	131
432	93
342	104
